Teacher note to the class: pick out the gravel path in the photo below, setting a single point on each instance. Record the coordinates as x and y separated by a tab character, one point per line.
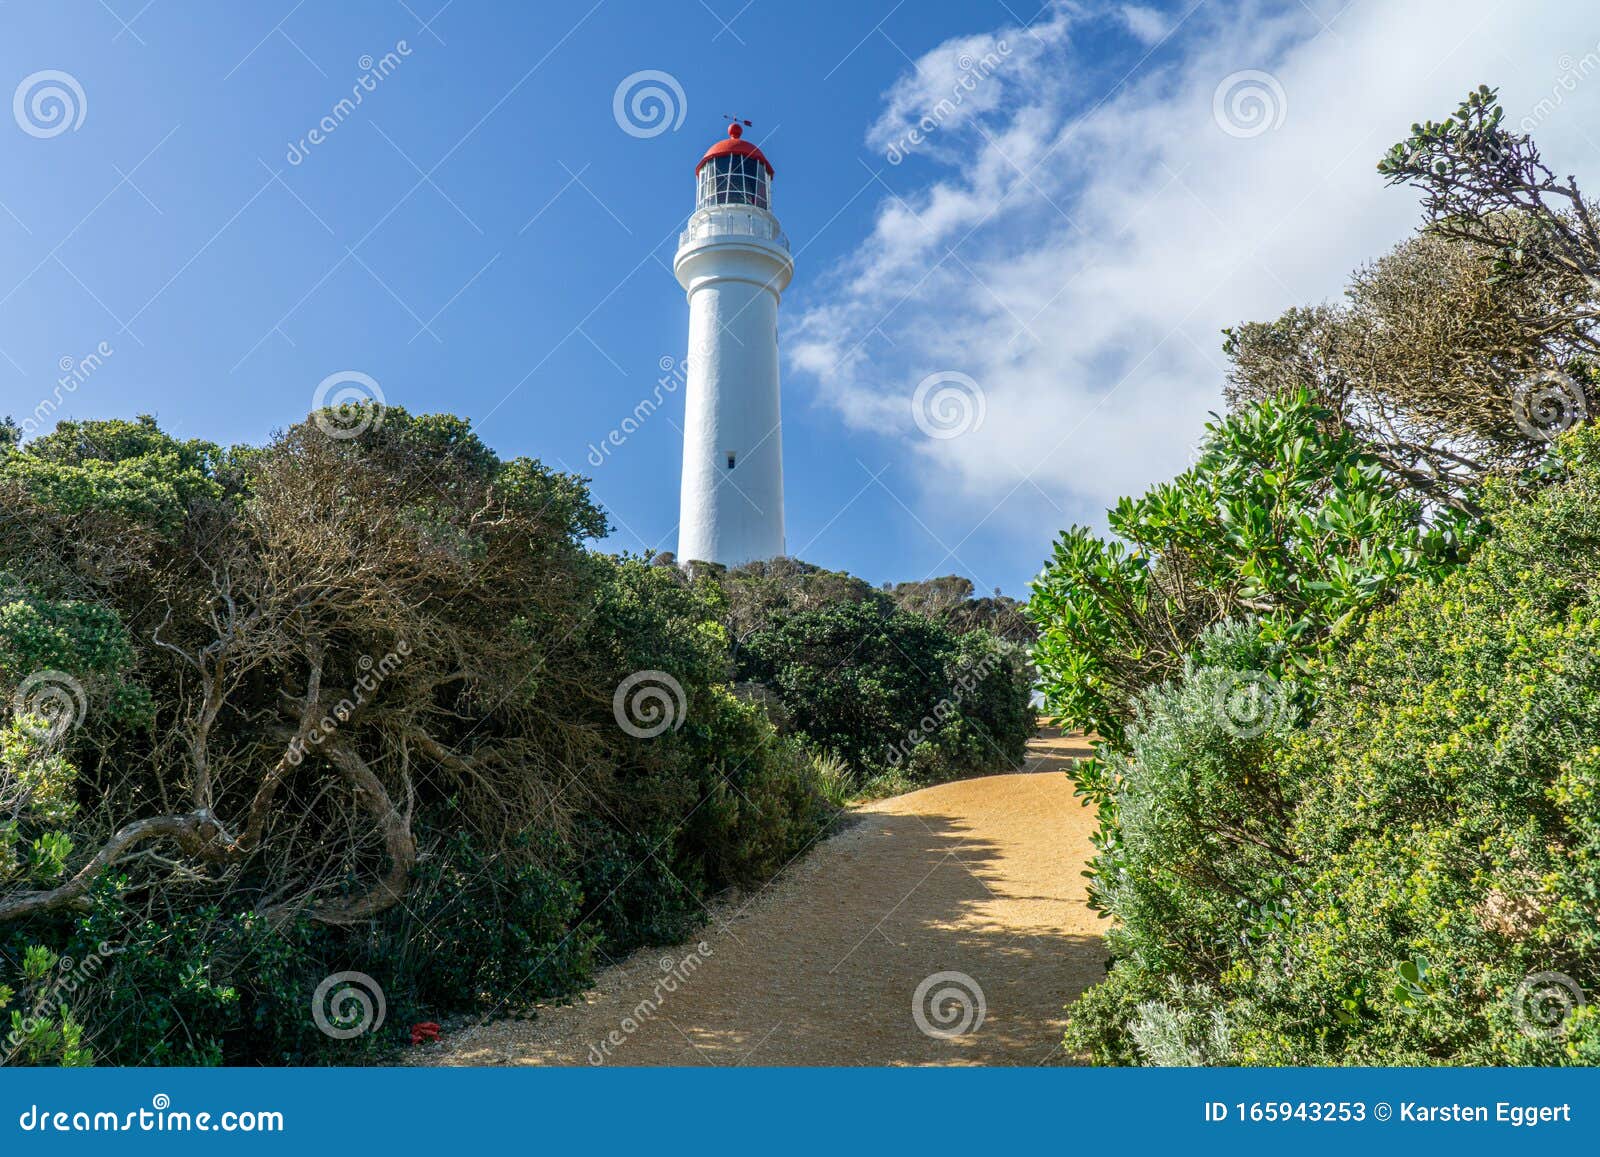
980	877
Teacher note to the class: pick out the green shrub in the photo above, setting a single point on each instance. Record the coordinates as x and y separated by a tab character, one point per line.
883	688
1412	876
1193	854
1450	825
1280	519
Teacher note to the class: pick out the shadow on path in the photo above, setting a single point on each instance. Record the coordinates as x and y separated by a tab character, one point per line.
981	877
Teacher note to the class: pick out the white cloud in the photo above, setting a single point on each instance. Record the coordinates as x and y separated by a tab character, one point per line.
1148	24
1081	258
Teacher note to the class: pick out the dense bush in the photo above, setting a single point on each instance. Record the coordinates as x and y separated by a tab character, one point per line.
888	690
1384	852
1451	817
1409	878
1282	519
345	704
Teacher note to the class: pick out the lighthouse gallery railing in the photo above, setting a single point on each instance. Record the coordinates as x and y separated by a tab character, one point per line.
724	222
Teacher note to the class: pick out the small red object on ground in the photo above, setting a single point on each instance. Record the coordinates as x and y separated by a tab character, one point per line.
426	1031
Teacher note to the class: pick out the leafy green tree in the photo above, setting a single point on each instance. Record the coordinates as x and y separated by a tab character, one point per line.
1282	519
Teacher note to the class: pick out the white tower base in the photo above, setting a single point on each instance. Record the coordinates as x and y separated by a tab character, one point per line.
733	261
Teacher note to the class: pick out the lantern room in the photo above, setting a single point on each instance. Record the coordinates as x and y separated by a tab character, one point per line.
734	172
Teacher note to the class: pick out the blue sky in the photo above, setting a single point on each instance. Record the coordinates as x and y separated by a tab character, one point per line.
481	235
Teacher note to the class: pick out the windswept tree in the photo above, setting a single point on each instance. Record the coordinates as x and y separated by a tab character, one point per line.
1467	349
355	626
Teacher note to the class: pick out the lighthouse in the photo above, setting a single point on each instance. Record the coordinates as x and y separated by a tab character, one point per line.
733	263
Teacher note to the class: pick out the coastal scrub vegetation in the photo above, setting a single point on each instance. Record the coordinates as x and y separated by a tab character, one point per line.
1345	670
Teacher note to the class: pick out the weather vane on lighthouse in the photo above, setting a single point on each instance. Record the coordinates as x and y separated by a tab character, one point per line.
733	263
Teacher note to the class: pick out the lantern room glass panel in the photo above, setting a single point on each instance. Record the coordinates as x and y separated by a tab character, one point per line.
733	179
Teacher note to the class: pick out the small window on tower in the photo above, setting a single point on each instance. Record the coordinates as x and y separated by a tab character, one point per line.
732	456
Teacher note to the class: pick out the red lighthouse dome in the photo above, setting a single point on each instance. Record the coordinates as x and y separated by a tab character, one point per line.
734	145
734	172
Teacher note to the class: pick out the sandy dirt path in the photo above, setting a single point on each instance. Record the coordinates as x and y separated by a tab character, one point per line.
980	877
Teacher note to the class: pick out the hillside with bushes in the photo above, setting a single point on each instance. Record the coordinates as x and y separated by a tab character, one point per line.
373	704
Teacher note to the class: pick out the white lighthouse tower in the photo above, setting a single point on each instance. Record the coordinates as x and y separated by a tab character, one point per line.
733	262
